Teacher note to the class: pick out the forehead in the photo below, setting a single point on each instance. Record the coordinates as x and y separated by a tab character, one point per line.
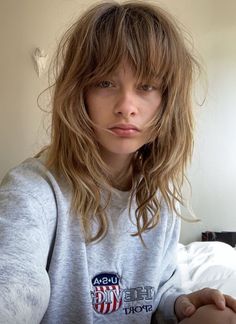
126	69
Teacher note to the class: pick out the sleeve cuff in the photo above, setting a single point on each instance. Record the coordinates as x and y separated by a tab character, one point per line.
167	306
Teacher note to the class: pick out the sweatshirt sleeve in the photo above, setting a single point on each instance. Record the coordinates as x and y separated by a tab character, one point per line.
24	248
170	286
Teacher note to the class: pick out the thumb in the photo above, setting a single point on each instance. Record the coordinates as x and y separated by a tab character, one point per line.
184	307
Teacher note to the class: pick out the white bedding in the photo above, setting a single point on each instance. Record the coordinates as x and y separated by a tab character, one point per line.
208	264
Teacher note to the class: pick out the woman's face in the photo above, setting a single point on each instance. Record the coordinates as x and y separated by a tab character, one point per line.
121	110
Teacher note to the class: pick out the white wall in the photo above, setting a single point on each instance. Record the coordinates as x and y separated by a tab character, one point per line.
213	171
28	24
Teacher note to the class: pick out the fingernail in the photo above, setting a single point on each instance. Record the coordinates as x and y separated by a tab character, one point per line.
188	310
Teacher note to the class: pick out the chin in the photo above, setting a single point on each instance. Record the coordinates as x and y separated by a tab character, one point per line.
122	150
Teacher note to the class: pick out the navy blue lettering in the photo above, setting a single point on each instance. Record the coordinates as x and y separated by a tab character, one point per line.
144	293
138	309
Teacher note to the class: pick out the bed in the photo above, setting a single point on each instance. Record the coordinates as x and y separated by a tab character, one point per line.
208	264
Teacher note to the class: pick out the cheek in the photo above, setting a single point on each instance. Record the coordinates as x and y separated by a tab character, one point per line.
153	106
95	113
154	99
90	104
157	100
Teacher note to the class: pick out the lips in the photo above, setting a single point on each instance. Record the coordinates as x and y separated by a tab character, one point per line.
124	129
124	126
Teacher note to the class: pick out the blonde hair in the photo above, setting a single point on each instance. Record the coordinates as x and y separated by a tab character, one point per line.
91	48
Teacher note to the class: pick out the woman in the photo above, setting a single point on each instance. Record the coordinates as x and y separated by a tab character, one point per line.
89	227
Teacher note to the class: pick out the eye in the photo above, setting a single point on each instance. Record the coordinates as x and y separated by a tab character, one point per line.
104	84
146	87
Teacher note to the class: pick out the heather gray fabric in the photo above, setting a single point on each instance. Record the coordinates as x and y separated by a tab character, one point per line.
49	275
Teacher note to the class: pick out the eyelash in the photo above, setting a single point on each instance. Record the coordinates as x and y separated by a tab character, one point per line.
98	85
148	85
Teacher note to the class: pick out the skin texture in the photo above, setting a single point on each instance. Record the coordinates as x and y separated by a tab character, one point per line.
206	306
119	99
209	314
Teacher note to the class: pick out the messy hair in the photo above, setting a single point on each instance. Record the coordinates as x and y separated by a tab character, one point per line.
94	46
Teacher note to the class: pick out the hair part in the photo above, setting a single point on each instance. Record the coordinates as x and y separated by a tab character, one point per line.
94	46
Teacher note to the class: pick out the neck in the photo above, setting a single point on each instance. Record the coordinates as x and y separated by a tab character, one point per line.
123	180
121	170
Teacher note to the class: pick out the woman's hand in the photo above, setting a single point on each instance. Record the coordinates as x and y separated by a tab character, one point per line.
186	305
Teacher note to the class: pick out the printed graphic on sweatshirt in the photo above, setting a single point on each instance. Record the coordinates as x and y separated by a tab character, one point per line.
108	296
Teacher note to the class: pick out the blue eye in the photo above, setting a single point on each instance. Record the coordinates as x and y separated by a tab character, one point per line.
104	84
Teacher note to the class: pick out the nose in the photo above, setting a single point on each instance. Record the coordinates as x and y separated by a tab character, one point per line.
126	104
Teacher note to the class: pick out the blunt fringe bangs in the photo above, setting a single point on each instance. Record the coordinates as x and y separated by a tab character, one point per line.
94	46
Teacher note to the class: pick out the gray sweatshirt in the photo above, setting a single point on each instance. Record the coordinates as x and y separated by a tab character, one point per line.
49	275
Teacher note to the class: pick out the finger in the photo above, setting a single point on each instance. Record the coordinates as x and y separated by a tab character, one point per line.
186	307
218	298
208	296
230	302
189	310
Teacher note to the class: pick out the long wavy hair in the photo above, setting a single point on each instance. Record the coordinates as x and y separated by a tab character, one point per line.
94	46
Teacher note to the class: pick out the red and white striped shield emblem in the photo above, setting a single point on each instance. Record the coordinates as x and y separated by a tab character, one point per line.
106	294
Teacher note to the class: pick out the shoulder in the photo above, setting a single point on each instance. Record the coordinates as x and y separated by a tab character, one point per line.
28	173
30	178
